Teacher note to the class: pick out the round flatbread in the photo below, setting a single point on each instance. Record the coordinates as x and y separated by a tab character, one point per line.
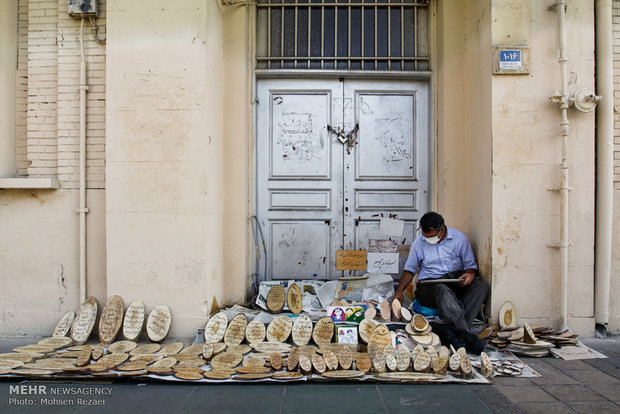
293	298
158	323
279	329
302	330
64	324
323	331
255	332
111	319
276	298
216	327
134	320
235	333
84	321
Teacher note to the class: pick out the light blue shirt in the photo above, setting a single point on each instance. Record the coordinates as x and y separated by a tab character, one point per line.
434	260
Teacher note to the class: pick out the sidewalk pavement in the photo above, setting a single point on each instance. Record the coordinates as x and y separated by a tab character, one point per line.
583	386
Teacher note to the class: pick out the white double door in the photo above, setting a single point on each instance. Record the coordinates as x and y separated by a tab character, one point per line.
332	158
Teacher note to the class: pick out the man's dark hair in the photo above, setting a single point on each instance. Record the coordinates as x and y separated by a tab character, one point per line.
431	221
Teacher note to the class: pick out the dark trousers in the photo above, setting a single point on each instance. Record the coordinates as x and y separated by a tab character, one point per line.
458	305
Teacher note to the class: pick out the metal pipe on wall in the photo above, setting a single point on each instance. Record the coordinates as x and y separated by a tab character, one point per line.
604	162
564	188
82	210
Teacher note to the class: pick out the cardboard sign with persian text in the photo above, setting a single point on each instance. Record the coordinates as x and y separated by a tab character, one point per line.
350	259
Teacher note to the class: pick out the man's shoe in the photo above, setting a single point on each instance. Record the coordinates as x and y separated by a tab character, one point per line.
447	336
473	343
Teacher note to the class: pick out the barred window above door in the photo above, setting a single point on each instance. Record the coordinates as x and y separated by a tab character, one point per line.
371	35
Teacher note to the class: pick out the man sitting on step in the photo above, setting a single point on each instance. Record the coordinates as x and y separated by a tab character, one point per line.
441	252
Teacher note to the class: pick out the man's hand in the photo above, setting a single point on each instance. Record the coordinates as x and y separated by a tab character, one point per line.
468	277
399	296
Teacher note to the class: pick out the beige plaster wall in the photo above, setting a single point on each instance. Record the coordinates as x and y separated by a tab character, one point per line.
463	121
526	159
238	151
164	157
478	126
39	271
614	301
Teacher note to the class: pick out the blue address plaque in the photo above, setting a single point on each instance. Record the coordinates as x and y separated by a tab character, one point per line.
510	59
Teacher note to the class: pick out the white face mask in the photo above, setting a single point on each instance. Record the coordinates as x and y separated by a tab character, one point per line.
432	240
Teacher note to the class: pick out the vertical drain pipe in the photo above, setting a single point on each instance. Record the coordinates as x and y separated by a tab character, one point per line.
604	164
564	188
82	210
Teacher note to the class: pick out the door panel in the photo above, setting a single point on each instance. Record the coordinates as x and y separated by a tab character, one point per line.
386	173
316	195
299	177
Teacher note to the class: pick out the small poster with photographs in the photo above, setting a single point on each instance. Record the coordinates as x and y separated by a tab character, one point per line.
346	334
353	313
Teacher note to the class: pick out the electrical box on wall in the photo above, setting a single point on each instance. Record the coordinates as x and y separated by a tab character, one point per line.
80	8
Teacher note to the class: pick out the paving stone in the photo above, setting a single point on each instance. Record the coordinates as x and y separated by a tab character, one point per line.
591	375
408	398
608	390
553	376
573	393
605	366
525	393
516	381
495	400
593	407
323	398
564	365
235	398
545	408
